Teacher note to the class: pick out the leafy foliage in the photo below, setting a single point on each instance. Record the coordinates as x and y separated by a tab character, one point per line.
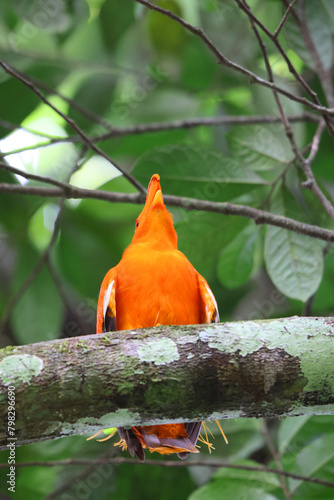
120	65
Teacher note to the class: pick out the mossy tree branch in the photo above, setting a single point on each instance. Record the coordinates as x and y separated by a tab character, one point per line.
171	373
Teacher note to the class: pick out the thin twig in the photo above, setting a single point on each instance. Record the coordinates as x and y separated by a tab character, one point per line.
325	76
307	310
210	121
259	216
290	65
169	463
230	64
284	18
282	175
81	475
33	147
316	141
15	74
34	272
284	118
46	254
312	185
75	105
310	182
276	457
145	128
84	63
13	126
35	177
65	300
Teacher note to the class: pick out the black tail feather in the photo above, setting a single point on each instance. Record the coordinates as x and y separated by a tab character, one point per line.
134	446
193	430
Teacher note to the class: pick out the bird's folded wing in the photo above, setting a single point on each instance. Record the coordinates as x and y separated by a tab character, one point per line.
106	308
209	308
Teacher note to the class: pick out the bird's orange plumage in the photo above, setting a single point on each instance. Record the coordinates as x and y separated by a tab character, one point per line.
155	284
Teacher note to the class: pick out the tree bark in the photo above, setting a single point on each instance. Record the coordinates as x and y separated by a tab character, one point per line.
271	368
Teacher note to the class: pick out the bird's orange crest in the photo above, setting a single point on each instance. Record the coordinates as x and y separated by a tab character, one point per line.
155	223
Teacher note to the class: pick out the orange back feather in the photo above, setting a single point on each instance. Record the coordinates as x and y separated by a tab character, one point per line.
154	283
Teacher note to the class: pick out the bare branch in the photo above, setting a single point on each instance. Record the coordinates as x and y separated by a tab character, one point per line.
210	121
13	126
15	74
44	257
33	273
108	455
311	182
35	177
260	216
61	385
312	185
75	105
230	64
325	76
167	463
316	141
285	121
284	18
67	302
276	457
290	66
306	164
144	128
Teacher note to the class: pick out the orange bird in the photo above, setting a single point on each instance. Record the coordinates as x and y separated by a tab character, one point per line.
155	284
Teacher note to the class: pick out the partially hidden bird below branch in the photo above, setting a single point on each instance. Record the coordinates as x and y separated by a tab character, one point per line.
155	284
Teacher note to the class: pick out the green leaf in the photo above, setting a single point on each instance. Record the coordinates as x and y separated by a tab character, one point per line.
197	69
243	435
39	313
166	35
107	212
196	172
323	301
87	249
38	482
196	229
317	15
8	18
8	107
260	147
236	260
228	489
159	103
320	27
288	430
85	44
256	477
15	209
95	94
329	7
294	262
52	17
93	237
115	20
140	144
151	483
312	458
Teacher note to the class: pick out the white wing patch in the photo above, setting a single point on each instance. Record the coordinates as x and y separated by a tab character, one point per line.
106	297
207	308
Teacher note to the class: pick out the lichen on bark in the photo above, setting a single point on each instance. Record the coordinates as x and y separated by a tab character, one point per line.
169	374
